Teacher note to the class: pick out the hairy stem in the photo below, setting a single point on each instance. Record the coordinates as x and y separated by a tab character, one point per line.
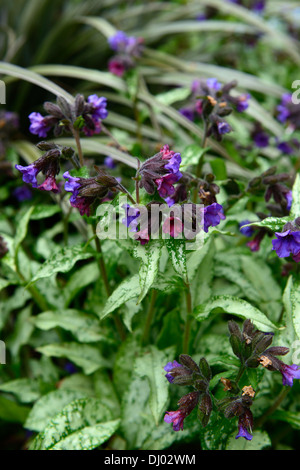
78	145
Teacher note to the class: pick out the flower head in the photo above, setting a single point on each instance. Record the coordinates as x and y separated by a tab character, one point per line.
39	125
186	405
245	425
85	191
48	165
161	172
246	231
213	214
287	243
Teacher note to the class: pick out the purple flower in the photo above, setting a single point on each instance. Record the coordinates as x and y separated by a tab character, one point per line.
213	215
289	199
175	417
73	186
289	373
246	231
223	127
165	183
254	244
85	191
169	367
22	193
118	42
188	113
287	243
29	173
39	125
99	104
261	139
186	405
242	102
285	147
49	185
283	108
89	132
109	163
132	215
213	84
245	425
116	67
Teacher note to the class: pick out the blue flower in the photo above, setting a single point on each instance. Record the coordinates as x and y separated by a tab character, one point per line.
39	126
287	243
246	231
213	215
245	425
169	367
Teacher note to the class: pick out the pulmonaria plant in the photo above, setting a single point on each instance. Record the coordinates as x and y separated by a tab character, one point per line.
128	49
48	165
213	101
287	242
160	173
86	191
253	349
81	115
288	112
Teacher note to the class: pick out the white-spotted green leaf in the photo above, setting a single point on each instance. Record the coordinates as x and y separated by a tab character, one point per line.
234	306
83	424
295	209
85	327
150	257
62	261
150	365
177	253
86	356
22	229
25	390
275	224
127	290
50	405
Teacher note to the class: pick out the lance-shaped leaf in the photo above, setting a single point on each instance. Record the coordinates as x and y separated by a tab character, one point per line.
127	290
61	261
295	209
234	306
84	424
177	253
83	355
150	257
151	367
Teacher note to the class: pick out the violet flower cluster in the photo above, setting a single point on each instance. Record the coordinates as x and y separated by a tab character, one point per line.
83	115
128	49
213	101
253	349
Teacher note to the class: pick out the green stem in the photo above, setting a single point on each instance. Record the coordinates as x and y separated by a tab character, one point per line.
188	322
240	373
149	319
78	145
103	272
